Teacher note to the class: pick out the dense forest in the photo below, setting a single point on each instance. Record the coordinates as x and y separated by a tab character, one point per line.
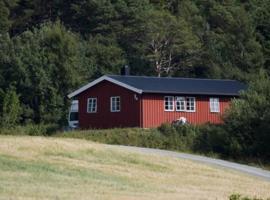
49	48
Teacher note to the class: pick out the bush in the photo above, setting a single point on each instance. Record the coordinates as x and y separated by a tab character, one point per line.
167	129
239	197
31	129
212	139
248	120
165	137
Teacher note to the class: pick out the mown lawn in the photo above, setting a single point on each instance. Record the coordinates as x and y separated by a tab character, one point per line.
58	168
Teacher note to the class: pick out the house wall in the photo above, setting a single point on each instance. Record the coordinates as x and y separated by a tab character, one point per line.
104	118
154	115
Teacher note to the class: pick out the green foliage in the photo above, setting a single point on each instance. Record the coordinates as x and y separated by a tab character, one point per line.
248	121
49	48
239	197
31	129
106	55
169	42
5	21
169	137
129	136
11	109
43	65
212	139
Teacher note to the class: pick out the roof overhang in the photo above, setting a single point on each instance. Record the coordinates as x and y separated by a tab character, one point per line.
103	78
192	93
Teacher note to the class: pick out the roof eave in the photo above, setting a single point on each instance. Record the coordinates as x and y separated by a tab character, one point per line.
190	93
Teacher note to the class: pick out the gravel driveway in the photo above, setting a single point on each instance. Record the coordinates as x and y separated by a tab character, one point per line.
253	171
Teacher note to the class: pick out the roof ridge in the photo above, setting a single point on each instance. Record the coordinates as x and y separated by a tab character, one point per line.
153	77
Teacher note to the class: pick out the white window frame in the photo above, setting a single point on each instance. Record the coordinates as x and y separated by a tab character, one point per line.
113	104
91	109
180	100
194	100
214	105
169	104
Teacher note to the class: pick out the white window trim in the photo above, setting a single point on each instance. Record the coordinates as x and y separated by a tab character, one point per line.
172	103
179	110
194	104
111	103
92	98
218	105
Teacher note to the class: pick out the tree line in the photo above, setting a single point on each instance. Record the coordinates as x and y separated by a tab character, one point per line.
49	48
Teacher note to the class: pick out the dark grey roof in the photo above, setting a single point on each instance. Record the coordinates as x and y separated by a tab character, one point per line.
182	85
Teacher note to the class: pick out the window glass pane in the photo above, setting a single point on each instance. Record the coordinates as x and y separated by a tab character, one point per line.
190	104
214	105
115	104
74	116
180	104
168	103
92	105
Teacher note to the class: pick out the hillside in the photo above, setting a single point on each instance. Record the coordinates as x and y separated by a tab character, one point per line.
51	168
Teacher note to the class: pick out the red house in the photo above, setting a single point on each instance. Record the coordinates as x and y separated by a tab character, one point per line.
137	101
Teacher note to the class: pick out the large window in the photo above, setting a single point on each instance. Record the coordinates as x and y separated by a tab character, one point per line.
115	104
180	103
214	105
92	105
169	103
185	104
190	104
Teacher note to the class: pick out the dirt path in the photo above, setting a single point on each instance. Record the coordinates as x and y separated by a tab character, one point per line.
253	171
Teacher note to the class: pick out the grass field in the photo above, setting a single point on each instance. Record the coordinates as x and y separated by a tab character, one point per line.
56	168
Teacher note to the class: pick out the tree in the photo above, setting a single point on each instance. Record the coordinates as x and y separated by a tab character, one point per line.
105	54
170	43
11	110
248	120
44	65
5	22
260	12
230	39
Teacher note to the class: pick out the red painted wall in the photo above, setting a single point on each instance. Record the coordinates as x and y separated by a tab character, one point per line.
104	118
147	111
154	115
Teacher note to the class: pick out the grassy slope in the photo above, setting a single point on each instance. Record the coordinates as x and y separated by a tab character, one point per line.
53	168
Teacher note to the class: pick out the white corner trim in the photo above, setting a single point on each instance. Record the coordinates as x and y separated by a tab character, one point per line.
102	78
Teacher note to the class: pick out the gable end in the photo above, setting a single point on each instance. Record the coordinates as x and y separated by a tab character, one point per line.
95	82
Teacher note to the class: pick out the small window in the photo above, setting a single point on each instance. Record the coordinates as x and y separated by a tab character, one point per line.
92	105
115	104
214	105
180	103
190	104
168	103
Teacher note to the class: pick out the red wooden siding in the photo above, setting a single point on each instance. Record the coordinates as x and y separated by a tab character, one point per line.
129	116
154	114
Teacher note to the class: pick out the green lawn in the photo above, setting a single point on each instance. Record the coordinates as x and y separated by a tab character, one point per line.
56	168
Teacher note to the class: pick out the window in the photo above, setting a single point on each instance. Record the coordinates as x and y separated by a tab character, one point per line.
190	104
92	105
115	104
74	116
168	103
180	103
214	105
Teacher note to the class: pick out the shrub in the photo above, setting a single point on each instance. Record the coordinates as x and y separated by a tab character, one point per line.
11	109
239	197
31	129
167	129
248	120
212	139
